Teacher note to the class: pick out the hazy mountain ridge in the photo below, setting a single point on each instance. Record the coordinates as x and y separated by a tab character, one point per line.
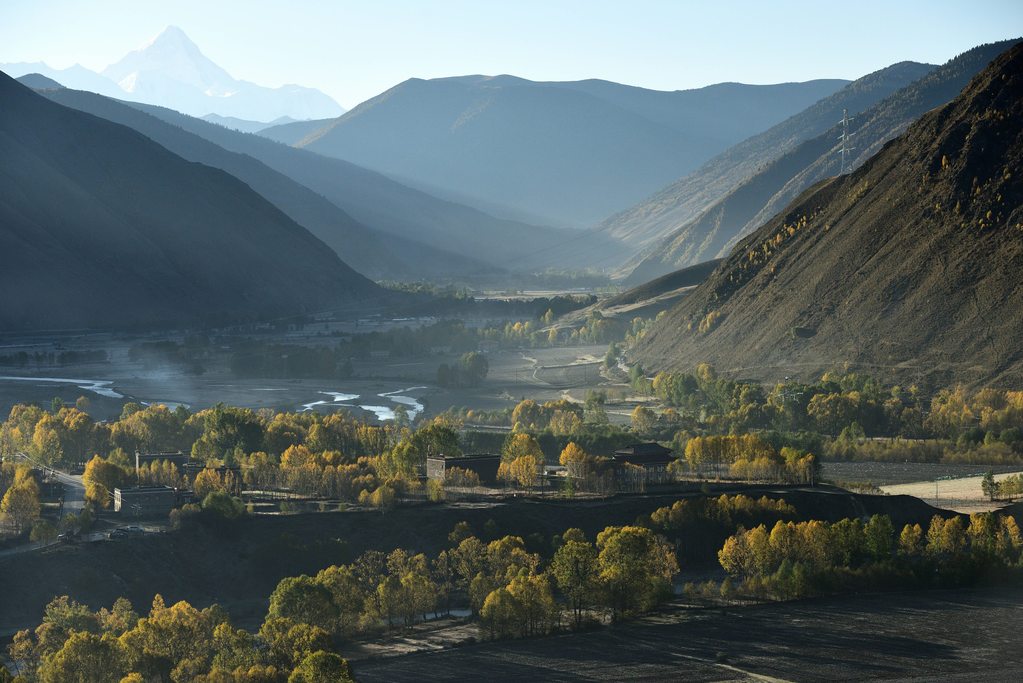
909	264
38	82
171	71
386	205
375	254
569	152
102	227
244	125
715	231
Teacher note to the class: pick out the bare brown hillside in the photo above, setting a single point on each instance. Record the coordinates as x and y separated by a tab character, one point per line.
910	265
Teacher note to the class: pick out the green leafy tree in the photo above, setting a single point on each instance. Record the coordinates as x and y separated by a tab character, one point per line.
989	486
303	600
575	569
322	667
879	536
635	568
84	658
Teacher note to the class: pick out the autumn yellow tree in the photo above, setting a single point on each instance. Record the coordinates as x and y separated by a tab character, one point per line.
572	453
20	505
101	477
524	470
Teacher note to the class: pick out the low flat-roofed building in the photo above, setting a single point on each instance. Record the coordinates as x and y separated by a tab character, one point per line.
484	465
652	457
145	501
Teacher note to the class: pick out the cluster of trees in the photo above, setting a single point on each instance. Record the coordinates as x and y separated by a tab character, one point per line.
522	460
1007	488
286	361
63	435
852	410
725	511
68	436
471	369
511	591
703	523
178	643
827	406
837	401
559	417
796	559
749	456
24	359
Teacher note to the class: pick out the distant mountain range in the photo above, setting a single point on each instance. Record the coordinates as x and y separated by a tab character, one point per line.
908	266
375	253
171	71
244	125
565	153
102	227
703	215
473	240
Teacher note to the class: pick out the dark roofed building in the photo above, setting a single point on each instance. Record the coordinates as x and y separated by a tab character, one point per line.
483	464
145	501
644	454
652	457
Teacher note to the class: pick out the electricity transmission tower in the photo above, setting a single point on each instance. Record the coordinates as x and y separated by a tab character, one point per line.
846	148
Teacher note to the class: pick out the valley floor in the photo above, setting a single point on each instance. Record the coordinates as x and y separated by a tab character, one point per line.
948	635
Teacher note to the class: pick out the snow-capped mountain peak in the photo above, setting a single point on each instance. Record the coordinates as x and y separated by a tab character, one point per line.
171	71
170	55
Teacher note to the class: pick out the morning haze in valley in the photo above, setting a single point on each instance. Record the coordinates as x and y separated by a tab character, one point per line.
560	341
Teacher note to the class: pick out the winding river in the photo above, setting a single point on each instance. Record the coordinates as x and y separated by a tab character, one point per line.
383	410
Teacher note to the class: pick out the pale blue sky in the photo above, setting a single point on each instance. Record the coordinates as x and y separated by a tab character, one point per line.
354	50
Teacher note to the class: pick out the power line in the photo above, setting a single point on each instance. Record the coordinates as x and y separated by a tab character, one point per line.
844	137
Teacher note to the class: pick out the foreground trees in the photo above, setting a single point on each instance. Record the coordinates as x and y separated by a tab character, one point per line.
178	643
509	588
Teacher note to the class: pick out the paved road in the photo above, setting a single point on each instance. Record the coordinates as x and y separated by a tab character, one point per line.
74	487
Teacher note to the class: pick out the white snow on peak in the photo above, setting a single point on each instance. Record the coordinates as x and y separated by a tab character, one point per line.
171	71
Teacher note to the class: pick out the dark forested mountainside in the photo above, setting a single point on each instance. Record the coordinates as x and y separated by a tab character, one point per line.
909	264
750	203
372	253
570	153
100	226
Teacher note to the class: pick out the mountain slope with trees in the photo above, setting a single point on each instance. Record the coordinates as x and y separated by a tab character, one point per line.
570	153
752	202
910	264
100	226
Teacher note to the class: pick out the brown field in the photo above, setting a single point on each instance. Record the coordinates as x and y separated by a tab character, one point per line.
951	635
889	473
963	494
